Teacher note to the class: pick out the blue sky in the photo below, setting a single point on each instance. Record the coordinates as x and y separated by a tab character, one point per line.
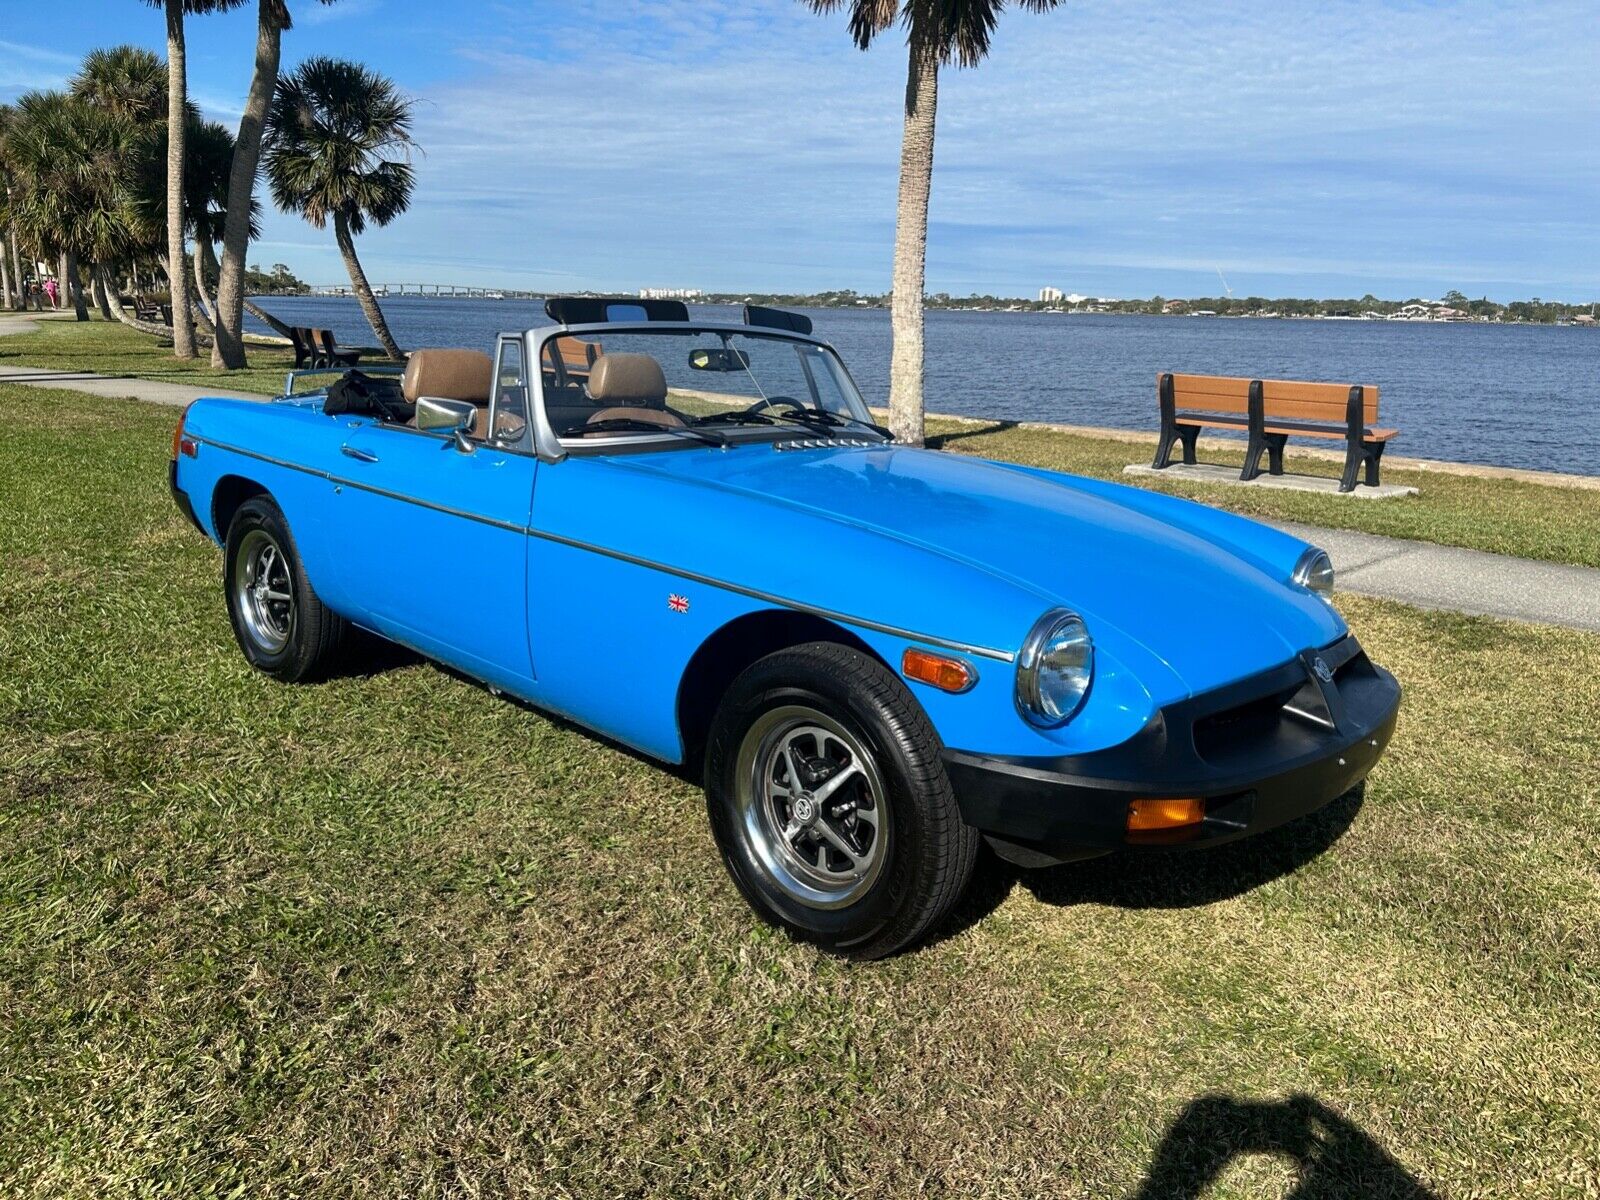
1118	149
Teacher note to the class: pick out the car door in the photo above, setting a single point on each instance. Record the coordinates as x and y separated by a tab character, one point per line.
434	531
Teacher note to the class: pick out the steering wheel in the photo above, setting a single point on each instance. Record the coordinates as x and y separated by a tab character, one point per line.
776	402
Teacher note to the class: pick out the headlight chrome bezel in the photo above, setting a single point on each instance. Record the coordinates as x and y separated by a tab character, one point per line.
1314	572
1058	626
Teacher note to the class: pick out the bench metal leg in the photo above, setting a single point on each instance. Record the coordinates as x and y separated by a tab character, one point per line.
1190	435
1252	457
1354	455
1374	454
1163	458
1275	445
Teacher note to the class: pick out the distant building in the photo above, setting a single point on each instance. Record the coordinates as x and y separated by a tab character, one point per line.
1175	306
1049	295
670	293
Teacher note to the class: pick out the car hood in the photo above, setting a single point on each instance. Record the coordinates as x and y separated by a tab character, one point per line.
1192	592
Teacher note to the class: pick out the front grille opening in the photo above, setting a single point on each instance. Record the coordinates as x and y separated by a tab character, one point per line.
1224	731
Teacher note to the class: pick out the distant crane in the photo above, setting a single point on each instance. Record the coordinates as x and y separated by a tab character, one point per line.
1225	286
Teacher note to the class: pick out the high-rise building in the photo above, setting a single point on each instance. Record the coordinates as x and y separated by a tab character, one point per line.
1049	295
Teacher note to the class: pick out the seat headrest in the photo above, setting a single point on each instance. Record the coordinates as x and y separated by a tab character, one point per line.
449	375
624	379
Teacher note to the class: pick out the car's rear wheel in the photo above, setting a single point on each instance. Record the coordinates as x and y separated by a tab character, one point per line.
830	803
281	625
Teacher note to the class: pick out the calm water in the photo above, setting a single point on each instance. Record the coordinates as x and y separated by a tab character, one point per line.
1516	396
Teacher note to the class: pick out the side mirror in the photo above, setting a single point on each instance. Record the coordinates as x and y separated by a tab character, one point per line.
438	415
705	359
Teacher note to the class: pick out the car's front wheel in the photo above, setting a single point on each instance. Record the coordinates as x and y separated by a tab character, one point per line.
279	622
830	803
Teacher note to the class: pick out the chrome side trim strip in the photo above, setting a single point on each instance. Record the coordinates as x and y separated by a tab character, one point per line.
770	598
342	481
829	614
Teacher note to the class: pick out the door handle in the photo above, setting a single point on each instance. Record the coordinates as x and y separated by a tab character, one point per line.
357	453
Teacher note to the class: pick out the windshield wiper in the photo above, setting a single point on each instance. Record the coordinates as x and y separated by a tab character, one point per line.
630	424
738	416
822	418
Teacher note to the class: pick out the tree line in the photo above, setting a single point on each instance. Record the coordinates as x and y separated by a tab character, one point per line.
119	178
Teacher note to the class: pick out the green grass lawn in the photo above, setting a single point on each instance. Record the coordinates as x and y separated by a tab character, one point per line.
1499	515
392	936
111	348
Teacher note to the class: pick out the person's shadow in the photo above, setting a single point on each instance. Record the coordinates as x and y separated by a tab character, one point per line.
1333	1158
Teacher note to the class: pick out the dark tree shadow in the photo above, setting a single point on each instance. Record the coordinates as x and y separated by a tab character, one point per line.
1158	878
941	440
1333	1158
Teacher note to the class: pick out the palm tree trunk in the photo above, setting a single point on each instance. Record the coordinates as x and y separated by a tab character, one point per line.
268	319
911	234
177	133
70	280
16	272
121	314
228	349
362	289
97	288
5	277
204	257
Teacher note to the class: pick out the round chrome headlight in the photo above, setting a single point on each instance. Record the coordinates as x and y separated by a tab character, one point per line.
1054	668
1314	571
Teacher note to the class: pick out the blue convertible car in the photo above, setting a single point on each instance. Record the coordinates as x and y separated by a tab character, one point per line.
691	538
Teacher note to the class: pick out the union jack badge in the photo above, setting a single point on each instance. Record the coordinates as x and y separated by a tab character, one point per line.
677	603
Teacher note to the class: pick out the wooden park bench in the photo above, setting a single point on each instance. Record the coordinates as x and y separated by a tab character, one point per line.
1272	411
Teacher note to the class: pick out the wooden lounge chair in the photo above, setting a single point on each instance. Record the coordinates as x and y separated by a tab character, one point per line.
328	352
305	353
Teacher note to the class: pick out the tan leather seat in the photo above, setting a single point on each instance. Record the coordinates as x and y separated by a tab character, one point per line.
630	387
451	375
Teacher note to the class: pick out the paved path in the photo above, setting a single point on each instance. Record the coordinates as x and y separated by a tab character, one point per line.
150	391
1420	573
1448	577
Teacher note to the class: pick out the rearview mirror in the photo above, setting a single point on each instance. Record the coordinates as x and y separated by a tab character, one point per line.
705	359
435	414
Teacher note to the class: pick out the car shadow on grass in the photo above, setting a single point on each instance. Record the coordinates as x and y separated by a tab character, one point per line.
1162	878
1333	1158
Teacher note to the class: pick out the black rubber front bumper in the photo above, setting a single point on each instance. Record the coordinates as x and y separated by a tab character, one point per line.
1260	752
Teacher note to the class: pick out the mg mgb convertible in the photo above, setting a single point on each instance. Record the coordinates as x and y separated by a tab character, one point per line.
691	538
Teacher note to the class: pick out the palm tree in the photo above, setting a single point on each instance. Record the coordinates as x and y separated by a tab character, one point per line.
272	19
177	131
328	133
72	162
938	32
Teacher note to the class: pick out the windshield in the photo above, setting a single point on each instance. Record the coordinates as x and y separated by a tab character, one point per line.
695	385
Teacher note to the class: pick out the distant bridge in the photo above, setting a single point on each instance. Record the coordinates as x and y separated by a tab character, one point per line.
448	291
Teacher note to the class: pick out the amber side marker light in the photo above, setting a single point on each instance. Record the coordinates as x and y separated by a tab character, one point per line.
186	446
1147	815
938	670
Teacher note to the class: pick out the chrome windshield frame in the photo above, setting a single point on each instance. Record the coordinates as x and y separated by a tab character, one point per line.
549	447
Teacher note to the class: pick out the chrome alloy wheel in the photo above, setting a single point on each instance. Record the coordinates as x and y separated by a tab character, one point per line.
263	591
811	806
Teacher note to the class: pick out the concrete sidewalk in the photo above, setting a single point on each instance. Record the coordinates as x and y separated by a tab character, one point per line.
1419	573
150	391
1457	580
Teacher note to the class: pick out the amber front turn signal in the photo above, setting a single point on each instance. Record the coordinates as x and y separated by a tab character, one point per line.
1146	815
942	671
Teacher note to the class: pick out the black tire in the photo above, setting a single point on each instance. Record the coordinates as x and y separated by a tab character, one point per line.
295	640
925	857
